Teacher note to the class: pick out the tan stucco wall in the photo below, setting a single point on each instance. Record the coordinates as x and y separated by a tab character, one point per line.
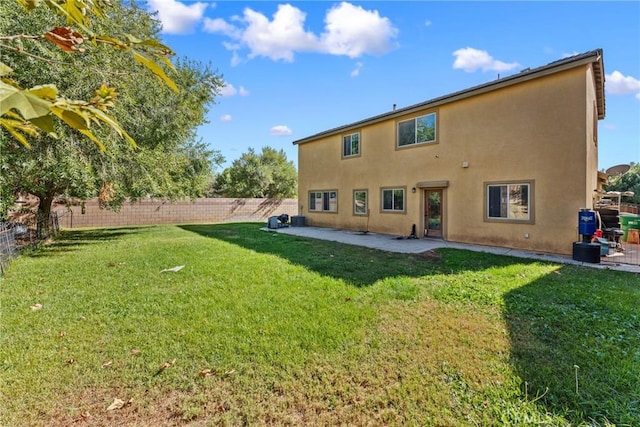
533	131
156	211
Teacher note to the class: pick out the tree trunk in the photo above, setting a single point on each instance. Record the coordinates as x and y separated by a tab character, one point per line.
44	207
43	223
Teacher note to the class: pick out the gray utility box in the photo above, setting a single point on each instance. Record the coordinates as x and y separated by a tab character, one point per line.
604	246
272	222
298	221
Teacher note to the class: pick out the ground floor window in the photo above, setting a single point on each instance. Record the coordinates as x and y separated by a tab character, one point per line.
360	203
509	201
323	201
393	199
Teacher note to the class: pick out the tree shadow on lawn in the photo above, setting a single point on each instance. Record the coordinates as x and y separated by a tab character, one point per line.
356	265
573	316
575	343
73	239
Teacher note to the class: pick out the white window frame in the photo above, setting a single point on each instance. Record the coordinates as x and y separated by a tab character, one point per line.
328	201
416	121
394	208
348	139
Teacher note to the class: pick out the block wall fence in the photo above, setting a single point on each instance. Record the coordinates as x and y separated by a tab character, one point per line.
154	211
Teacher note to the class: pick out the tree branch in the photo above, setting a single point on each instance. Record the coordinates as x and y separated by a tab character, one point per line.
47	60
24	52
20	36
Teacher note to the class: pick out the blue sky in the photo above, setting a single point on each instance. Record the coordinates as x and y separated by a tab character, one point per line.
293	69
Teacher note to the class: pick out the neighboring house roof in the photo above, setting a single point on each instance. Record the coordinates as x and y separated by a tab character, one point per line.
594	56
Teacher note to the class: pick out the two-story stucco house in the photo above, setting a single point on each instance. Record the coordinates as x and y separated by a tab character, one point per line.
507	163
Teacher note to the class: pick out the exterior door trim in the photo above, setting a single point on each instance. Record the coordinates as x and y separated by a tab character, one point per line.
428	215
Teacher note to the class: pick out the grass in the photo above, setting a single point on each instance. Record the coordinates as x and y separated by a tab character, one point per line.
268	329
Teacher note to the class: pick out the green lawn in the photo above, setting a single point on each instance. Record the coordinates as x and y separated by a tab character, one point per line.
262	328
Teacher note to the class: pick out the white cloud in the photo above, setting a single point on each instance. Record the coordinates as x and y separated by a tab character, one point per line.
280	38
427	23
280	130
349	30
356	71
235	59
617	83
176	17
231	46
230	90
219	25
226	118
352	31
470	60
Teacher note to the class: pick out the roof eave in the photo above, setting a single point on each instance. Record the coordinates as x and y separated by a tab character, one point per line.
598	70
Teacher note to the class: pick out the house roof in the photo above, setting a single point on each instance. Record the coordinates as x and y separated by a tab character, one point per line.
592	57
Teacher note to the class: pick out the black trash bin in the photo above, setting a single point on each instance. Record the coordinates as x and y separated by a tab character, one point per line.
586	252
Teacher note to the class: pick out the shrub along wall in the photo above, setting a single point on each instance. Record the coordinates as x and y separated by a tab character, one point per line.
154	211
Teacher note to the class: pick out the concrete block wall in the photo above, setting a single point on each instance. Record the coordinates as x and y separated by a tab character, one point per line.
154	211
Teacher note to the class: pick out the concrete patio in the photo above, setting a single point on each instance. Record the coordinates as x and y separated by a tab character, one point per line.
402	244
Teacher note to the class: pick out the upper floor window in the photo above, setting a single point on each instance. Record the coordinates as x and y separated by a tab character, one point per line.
509	201
418	130
351	145
323	201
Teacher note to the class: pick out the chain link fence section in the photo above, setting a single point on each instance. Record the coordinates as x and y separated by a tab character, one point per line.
15	236
8	247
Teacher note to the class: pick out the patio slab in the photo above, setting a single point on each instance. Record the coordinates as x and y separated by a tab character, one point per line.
402	244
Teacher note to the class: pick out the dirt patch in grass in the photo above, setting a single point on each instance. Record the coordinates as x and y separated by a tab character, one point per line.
406	371
145	408
433	333
430	255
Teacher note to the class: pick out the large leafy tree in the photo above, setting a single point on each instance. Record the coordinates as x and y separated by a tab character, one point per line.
628	181
265	175
168	162
25	110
